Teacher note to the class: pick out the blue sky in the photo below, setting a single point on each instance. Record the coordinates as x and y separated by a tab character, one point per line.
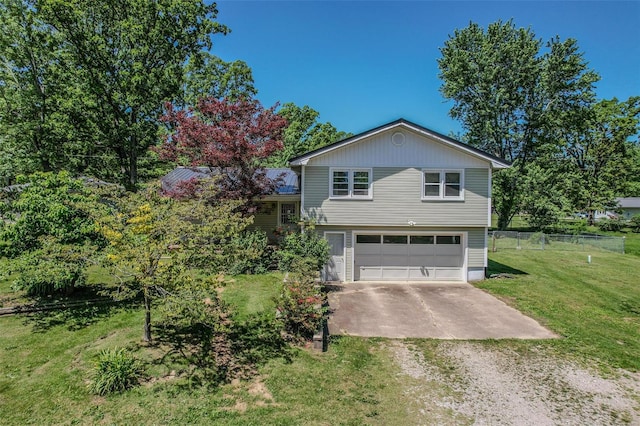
365	63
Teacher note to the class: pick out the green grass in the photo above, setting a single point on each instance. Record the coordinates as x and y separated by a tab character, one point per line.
594	307
46	361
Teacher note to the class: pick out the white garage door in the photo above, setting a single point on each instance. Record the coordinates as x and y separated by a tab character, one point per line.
408	257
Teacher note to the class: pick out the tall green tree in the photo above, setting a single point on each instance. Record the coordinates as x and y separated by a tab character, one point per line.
132	54
511	97
303	133
208	76
45	119
600	153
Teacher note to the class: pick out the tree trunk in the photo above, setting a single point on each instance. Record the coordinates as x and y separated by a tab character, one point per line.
147	316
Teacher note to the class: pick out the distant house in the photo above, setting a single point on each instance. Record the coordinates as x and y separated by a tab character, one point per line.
399	202
629	207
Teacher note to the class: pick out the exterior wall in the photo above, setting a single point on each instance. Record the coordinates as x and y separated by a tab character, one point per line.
266	219
415	150
475	243
396	200
629	212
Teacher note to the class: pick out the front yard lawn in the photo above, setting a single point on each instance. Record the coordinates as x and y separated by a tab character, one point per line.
595	307
45	360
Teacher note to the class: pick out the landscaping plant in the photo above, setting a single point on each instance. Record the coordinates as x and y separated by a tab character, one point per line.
116	371
301	305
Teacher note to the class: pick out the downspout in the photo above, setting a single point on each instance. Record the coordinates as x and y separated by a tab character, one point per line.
302	192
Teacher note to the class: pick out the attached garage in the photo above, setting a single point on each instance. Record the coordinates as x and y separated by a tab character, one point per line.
409	257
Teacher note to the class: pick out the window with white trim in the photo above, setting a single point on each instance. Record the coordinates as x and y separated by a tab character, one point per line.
350	183
287	214
442	184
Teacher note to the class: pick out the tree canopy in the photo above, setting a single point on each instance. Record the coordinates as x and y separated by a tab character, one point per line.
232	138
84	82
303	133
514	99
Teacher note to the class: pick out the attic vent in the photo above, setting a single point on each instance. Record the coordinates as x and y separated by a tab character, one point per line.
397	139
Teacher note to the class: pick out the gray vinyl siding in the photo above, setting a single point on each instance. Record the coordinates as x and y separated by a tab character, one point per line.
476	239
396	200
266	219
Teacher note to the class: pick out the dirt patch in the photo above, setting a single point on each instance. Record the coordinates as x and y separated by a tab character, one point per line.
260	390
488	385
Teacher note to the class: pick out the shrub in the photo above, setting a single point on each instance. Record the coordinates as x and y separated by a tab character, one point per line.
301	302
116	371
56	268
253	253
303	245
610	224
634	223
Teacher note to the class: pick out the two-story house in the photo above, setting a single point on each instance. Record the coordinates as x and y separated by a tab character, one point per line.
399	203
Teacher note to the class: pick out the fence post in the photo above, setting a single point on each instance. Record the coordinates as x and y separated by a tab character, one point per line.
542	241
623	240
493	241
518	241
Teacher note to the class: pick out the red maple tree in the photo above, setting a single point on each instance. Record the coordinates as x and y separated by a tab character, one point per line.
231	138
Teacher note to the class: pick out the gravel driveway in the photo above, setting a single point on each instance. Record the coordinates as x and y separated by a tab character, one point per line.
474	383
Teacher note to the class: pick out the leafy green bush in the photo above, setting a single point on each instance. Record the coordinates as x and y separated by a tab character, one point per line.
301	305
634	223
253	253
607	224
116	371
303	245
55	268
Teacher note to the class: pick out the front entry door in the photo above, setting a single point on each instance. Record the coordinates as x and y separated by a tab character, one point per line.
334	270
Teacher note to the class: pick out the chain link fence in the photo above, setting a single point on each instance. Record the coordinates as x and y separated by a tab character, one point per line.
508	240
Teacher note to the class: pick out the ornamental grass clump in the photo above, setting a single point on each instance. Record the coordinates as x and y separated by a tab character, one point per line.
116	371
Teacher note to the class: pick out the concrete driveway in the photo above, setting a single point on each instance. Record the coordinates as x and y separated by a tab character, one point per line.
431	310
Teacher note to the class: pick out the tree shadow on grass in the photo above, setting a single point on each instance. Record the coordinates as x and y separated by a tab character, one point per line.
210	357
500	268
84	307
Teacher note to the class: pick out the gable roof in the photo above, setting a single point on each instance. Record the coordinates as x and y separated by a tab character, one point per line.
496	162
286	179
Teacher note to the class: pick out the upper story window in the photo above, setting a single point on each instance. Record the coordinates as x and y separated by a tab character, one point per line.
350	183
442	184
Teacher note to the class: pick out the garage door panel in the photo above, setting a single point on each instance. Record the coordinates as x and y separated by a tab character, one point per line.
413	257
422	250
394	273
396	261
395	250
448	274
447	261
368	260
369	273
420	261
421	273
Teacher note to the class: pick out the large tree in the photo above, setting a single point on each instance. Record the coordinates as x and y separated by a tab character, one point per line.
231	138
303	133
132	56
208	76
512	97
600	154
45	119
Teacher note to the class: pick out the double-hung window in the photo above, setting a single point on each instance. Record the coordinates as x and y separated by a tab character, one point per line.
350	183
442	184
